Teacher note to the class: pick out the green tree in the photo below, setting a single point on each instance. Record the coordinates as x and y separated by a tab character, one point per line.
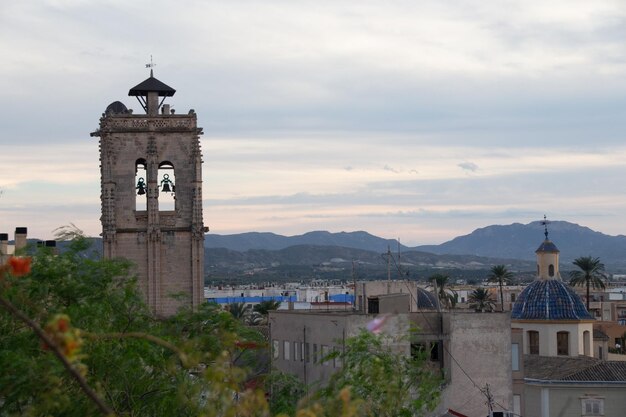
240	311
264	307
446	296
590	274
384	382
135	364
480	300
501	276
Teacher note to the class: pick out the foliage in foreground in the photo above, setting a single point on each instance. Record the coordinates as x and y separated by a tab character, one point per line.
197	363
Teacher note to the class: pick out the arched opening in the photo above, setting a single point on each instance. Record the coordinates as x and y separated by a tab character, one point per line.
562	343
141	185
167	189
533	342
587	343
551	270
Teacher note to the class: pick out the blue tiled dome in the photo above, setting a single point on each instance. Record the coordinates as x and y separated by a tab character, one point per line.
549	300
426	300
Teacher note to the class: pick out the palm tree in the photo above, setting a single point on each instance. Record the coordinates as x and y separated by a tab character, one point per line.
480	300
448	298
500	275
591	274
239	310
264	307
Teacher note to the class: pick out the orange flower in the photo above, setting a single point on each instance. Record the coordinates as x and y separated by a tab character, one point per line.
63	324
19	265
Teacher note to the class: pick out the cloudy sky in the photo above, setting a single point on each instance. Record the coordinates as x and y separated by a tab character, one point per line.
419	120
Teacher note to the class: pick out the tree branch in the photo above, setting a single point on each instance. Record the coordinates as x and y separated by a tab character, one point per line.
41	334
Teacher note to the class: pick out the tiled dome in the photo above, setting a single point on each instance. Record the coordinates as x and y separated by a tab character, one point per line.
549	300
426	300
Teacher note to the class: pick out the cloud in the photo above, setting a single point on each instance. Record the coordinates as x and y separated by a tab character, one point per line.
468	166
390	169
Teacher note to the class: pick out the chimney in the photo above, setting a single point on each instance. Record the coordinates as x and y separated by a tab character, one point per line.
52	244
4	244
20	238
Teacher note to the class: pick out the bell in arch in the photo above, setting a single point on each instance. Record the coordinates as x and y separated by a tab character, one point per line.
165	184
141	186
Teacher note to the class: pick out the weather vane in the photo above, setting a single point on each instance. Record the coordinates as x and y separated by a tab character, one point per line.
150	65
545	224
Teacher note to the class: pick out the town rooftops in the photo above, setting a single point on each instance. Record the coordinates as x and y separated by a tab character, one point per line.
573	369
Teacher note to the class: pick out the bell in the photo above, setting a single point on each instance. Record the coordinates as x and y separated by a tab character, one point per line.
165	184
141	187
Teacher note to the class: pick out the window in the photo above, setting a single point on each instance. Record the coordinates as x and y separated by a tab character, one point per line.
533	342
562	343
286	350
275	345
307	356
338	362
517	405
314	353
325	352
296	351
515	357
513	297
551	270
587	343
592	406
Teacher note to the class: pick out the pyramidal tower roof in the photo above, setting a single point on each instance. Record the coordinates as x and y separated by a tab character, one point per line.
152	85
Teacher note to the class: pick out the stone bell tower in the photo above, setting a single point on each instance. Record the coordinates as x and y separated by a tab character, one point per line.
151	181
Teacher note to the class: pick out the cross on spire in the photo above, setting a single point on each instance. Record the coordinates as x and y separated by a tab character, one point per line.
545	224
151	65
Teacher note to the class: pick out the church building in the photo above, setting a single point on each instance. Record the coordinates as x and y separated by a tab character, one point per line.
151	195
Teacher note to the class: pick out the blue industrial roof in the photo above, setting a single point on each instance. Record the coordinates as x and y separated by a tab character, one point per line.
549	300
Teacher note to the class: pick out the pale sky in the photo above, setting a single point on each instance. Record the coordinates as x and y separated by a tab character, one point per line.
419	120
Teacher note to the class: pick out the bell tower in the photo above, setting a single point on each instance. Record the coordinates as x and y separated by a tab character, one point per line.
151	194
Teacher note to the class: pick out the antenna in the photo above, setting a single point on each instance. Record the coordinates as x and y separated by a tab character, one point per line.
151	65
545	224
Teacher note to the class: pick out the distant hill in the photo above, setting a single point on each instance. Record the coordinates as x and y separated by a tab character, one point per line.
271	241
305	262
514	241
519	241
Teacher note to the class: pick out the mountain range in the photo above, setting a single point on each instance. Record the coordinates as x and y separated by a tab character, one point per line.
511	242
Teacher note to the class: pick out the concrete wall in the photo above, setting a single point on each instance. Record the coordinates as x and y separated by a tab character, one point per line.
479	342
365	289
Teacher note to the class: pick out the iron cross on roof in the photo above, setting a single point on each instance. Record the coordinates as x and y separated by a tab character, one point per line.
151	65
545	224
